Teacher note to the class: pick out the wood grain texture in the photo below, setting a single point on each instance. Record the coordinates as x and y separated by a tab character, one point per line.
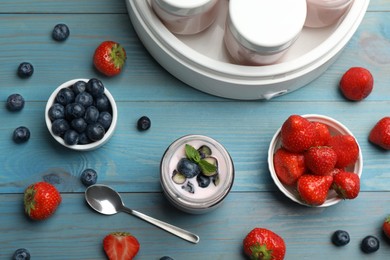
129	162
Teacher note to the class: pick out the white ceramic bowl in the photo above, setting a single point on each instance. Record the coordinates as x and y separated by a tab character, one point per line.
201	60
82	147
335	128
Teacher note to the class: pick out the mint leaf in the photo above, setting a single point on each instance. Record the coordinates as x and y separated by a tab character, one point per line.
192	154
207	168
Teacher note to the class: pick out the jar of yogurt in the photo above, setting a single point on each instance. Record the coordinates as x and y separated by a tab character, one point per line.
322	13
259	32
186	17
188	180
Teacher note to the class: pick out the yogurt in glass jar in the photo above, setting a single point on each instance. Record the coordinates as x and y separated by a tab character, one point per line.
187	184
186	17
322	13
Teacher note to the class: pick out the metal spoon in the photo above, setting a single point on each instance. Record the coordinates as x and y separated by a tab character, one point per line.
107	201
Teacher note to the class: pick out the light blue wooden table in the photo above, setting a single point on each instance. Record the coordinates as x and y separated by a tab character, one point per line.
129	162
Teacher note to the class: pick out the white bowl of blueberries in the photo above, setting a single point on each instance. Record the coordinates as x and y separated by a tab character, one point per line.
81	114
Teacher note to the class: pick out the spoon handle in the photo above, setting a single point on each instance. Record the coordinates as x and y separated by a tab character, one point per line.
184	234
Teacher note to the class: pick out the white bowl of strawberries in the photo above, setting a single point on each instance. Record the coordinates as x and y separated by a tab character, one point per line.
315	160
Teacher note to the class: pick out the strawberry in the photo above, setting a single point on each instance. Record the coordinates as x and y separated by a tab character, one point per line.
297	134
41	200
356	84
313	189
346	184
264	244
380	133
346	148
120	246
320	159
386	227
322	135
288	166
109	58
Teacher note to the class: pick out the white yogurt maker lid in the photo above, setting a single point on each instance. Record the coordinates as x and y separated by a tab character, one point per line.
186	7
266	26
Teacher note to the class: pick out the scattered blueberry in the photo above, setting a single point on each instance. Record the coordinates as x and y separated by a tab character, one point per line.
91	115
187	168
85	99
95	87
370	244
340	238
25	70
60	32
59	127
21	254
15	102
71	137
56	111
79	125
21	135
74	110
166	258
143	123
78	87
105	119
88	177
65	96
95	132
203	181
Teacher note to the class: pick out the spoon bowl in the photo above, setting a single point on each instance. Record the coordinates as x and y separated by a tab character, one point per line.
107	201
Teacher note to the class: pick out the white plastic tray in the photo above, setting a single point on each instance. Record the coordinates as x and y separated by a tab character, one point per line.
201	60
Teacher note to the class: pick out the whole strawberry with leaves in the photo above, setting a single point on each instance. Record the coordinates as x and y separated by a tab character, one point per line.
346	148
380	133
41	200
320	160
313	189
264	244
109	58
120	246
297	134
288	166
346	184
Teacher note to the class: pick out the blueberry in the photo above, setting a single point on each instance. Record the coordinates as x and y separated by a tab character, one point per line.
25	70
21	134
102	103
105	119
189	187
59	127
85	99
203	181
74	110
340	238
79	124
91	115
78	87
95	87
88	177
166	258
204	151
60	32
83	138
65	96
15	102
369	244
56	111
95	132
143	123
187	168
71	137
21	254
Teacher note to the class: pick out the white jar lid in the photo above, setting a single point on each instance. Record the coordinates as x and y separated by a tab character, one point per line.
266	26
329	3
185	7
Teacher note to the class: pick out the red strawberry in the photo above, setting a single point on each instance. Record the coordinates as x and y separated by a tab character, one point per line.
297	134
313	189
322	135
120	246
357	83
288	166
264	244
386	227
109	58
41	200
346	184
320	159
380	133
346	148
